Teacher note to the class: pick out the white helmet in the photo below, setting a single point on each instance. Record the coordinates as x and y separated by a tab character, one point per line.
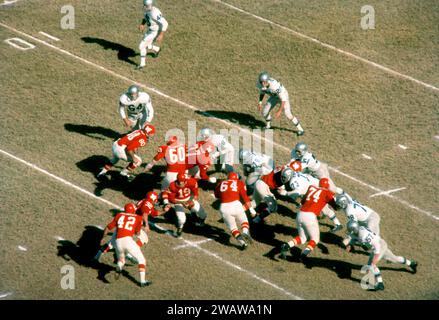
342	201
205	134
133	92
148	4
299	150
286	174
263	76
243	154
353	226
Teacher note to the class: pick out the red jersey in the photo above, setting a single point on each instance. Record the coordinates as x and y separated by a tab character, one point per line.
199	154
133	140
181	194
175	156
315	199
231	190
127	224
274	178
145	207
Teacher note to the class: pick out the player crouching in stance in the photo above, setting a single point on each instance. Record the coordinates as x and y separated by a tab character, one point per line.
127	224
230	192
379	249
125	148
183	194
315	199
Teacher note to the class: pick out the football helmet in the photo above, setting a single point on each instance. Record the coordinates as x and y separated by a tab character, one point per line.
300	149
324	183
286	174
152	196
233	176
342	201
243	154
205	134
148	4
263	76
130	208
353	226
133	92
172	140
149	129
181	179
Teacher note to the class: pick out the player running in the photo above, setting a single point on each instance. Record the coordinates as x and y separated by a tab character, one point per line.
278	94
135	108
379	250
127	224
230	192
125	148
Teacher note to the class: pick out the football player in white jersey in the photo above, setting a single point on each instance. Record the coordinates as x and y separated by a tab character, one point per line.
278	94
255	165
135	108
379	249
225	152
312	166
298	186
356	211
157	26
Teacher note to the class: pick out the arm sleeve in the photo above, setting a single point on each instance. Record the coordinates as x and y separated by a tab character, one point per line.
161	152
122	110
243	192
195	189
113	223
150	109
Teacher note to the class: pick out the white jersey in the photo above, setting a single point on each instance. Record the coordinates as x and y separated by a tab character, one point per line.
155	20
299	184
309	162
274	88
357	211
259	162
136	108
367	238
221	144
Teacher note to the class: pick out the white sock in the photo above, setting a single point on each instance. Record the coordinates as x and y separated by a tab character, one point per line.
142	276
291	244
297	124
155	48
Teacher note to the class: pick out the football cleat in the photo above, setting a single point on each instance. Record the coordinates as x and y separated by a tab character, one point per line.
268	125
414	266
156	53
300	133
284	249
139	67
178	232
379	286
118	273
336	228
247	238
145	284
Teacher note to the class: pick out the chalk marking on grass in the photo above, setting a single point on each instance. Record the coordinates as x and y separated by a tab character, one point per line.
49	36
191	243
4	295
401	201
365	156
403	147
386	192
207	252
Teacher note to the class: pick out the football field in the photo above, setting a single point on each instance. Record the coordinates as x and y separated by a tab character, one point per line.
368	101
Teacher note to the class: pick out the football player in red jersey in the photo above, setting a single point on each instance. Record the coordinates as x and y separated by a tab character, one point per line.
230	192
199	160
175	155
183	194
315	199
263	191
127	224
125	148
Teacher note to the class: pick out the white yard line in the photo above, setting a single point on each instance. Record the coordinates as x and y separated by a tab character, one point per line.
21	248
8	2
405	203
49	36
209	253
192	243
365	156
331	47
4	295
386	192
403	147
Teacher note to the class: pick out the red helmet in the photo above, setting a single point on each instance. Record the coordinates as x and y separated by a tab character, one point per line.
130	208
296	166
181	177
149	129
233	176
152	196
172	140
324	183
